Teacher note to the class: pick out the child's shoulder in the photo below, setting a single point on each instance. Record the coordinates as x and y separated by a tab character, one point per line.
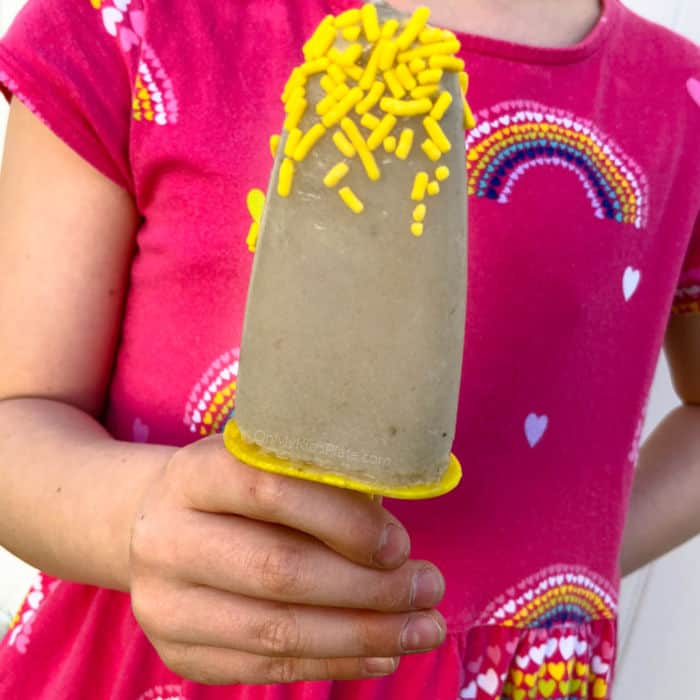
658	42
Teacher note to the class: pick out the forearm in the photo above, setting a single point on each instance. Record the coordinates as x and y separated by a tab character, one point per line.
664	508
70	491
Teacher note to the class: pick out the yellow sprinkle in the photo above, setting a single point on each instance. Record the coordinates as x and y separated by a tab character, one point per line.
343	107
405	77
322	39
355	72
417	65
390	144
274	144
390	28
308	141
370	22
350	198
347	57
343	145
394	85
441	105
328	84
371	99
449	47
284	186
352	33
381	132
430	35
298	93
420	185
437	134
464	82
434	188
371	167
295	114
348	18
325	105
296	79
353	133
335	55
448	35
337	74
449	63
403	150
407	108
252	238
428	77
292	142
424	91
371	68
325	41
414	27
442	173
340	92
417	230
431	150
336	174
369	121
255	201
419	213
469	121
387	55
316	66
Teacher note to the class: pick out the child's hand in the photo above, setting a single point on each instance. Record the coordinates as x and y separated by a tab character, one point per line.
243	576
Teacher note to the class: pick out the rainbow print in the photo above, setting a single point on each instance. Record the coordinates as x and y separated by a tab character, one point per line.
513	137
555	595
553	636
153	99
211	401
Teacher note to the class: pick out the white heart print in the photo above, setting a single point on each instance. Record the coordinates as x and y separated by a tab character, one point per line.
111	17
468	693
488	681
534	428
630	282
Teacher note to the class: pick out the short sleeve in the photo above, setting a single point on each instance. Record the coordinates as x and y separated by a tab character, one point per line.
687	296
59	59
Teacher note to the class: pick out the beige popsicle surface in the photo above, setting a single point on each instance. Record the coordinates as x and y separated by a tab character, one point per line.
354	328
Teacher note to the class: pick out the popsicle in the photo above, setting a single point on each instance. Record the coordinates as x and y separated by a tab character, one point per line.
353	334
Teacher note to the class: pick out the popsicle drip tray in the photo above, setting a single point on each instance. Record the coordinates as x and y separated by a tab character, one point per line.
254	455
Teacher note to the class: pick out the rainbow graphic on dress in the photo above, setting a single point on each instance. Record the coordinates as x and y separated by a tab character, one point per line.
211	401
514	137
558	594
153	99
553	636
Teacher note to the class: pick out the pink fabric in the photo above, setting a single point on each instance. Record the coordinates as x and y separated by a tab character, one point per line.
584	238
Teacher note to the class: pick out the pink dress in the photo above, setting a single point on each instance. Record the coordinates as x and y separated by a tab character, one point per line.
584	237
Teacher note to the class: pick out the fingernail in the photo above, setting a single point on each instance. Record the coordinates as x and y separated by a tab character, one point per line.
421	633
379	666
427	588
393	546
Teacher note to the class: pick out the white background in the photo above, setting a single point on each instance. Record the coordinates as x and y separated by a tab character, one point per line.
659	607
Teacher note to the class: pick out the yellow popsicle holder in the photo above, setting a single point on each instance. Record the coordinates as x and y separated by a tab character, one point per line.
254	456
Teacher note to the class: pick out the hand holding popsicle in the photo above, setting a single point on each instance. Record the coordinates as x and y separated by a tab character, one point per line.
244	576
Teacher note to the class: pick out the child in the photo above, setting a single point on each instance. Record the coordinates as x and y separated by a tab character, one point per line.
174	571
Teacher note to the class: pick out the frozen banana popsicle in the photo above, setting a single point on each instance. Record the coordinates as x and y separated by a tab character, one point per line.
353	335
